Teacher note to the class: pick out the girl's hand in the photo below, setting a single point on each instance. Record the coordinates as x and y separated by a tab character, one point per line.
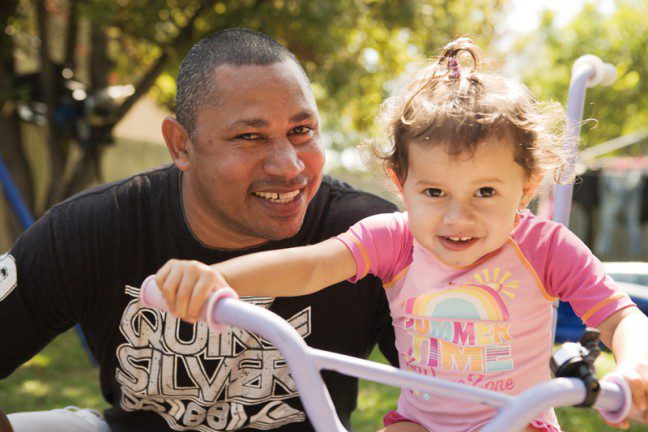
186	285
636	375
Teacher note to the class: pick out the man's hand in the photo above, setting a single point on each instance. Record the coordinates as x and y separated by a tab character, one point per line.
5	426
186	285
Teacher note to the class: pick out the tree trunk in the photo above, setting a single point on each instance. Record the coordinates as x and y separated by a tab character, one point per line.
11	148
88	169
48	85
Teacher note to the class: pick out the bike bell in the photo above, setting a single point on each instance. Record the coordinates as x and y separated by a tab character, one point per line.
576	360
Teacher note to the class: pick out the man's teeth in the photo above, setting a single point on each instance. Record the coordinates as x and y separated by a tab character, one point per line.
460	238
277	197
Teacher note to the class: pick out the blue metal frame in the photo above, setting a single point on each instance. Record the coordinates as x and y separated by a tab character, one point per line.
13	196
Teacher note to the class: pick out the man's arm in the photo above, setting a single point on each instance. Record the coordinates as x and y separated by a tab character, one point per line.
385	335
34	307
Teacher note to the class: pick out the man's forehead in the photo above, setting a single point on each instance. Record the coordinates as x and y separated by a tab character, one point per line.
250	93
225	75
257	97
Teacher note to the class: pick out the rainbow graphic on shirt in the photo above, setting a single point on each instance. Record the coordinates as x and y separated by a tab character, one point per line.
478	302
461	328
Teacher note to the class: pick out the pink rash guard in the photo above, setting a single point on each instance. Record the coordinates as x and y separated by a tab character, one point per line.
486	325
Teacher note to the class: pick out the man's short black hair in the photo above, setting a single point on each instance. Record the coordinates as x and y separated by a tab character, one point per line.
236	47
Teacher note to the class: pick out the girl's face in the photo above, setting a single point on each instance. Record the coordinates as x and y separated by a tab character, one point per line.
463	207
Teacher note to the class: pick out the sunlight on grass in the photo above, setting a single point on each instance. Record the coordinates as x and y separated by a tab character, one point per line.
40	360
35	388
59	376
604	364
72	392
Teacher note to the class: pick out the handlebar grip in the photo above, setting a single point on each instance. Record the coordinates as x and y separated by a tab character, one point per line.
151	296
623	412
610	74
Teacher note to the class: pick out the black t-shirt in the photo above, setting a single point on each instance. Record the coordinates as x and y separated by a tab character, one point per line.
84	261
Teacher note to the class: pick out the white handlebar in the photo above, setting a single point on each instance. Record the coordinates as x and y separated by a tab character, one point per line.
601	73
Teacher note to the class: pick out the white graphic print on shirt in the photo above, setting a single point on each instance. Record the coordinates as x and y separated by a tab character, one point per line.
202	381
8	275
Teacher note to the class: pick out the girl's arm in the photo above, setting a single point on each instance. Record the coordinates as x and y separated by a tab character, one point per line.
289	272
626	334
186	285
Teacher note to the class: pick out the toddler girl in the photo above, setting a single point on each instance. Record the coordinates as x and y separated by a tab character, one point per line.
470	274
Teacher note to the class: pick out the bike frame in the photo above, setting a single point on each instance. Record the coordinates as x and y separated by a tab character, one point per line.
587	71
515	412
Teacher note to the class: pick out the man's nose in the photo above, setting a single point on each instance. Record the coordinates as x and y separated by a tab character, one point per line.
283	159
458	213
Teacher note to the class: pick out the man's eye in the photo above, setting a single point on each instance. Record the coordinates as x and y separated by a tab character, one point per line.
485	192
301	130
249	137
301	134
434	193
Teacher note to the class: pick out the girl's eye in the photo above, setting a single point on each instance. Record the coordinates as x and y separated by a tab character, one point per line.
434	193
485	192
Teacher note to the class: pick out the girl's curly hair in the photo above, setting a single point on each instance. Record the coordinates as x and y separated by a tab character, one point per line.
461	109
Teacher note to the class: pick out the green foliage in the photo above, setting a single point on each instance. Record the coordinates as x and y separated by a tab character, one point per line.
353	50
350	48
620	38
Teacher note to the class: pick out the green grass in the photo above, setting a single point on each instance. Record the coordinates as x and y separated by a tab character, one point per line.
59	376
62	375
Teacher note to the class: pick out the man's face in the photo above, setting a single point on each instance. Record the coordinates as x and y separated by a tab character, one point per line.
257	158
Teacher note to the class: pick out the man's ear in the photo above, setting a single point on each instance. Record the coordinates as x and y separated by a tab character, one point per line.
529	190
177	141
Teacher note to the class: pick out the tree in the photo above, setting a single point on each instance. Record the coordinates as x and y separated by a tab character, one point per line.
619	38
11	151
350	48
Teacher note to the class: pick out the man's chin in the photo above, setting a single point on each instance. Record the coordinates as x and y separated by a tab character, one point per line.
276	232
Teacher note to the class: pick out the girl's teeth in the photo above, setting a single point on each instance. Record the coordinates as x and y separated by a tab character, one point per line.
456	239
277	197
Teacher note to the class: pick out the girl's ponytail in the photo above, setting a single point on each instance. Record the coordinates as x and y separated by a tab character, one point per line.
449	56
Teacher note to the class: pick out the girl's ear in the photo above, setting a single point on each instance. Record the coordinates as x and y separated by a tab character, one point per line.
529	190
392	175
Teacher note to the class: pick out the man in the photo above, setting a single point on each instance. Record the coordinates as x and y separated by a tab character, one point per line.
247	177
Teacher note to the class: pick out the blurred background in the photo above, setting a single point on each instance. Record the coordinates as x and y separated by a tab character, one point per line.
85	84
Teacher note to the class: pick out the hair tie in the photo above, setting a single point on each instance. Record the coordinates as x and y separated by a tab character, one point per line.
453	67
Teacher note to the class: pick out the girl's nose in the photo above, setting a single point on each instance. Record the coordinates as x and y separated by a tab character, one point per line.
283	159
458	213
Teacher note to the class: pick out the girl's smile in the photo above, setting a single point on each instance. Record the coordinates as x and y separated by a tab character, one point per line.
457	243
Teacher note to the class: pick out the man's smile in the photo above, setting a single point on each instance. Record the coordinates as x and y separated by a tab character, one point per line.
278	197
